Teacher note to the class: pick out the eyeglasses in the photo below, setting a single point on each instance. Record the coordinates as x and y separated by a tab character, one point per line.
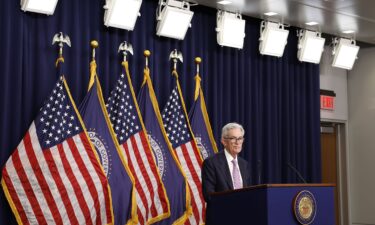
235	139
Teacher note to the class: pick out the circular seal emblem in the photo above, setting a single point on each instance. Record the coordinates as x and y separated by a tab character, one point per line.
304	207
158	153
101	150
202	147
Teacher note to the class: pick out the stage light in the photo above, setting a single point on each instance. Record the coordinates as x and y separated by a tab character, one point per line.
312	23
39	6
270	13
173	18
224	2
121	13
344	53
273	38
230	29
310	46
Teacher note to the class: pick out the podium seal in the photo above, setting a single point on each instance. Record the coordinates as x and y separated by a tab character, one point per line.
304	207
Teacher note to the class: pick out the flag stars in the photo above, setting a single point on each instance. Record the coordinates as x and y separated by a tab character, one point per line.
175	121
121	108
53	120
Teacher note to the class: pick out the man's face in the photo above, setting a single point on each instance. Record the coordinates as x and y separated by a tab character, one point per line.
233	141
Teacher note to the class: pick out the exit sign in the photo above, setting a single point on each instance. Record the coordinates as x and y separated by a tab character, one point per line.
327	102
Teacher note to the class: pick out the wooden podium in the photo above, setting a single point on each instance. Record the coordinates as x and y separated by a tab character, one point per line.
269	204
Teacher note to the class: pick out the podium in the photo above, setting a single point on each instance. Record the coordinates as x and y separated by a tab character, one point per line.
269	204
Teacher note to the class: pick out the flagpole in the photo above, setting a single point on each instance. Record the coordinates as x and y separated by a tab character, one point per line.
147	54
61	39
198	61
176	56
125	48
197	78
94	44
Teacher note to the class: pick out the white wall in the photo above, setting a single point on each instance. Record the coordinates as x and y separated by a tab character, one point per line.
355	106
334	79
361	137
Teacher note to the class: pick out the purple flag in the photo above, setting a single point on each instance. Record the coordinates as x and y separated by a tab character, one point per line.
169	168
101	134
200	123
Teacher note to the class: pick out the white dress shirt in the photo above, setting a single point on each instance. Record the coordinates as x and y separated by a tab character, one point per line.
230	164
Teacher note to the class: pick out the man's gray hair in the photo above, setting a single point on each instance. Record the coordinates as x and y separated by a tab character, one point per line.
231	126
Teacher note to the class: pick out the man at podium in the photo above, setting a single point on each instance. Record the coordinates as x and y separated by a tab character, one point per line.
226	170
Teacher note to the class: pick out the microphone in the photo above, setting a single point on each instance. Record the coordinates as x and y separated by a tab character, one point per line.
297	172
259	171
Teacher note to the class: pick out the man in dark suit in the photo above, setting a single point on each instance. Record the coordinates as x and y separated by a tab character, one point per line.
226	170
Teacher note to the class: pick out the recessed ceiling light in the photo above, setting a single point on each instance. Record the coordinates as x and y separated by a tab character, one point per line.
270	13
312	23
224	2
348	31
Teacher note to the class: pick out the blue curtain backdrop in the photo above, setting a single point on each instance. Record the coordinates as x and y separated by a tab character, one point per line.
276	99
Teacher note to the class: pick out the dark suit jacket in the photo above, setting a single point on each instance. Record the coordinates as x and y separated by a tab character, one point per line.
216	174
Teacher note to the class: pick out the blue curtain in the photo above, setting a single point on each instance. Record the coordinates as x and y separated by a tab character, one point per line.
276	99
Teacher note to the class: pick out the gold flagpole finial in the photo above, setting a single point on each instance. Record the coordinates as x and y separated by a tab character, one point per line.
94	44
198	61
146	74
197	78
147	54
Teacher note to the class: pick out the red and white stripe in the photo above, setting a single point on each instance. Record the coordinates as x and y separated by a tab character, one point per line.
191	163
60	185
150	196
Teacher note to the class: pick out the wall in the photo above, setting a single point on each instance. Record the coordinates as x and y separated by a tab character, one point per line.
361	135
355	106
334	79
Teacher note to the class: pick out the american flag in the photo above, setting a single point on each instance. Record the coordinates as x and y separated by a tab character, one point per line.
170	170
54	177
123	111
177	127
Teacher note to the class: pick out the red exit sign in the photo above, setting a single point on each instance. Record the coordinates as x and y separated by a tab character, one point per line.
327	102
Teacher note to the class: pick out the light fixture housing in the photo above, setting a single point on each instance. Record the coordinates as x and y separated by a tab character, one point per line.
173	19
344	53
310	46
230	28
122	14
39	6
273	38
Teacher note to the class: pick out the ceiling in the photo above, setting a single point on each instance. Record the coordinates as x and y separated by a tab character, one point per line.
333	16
